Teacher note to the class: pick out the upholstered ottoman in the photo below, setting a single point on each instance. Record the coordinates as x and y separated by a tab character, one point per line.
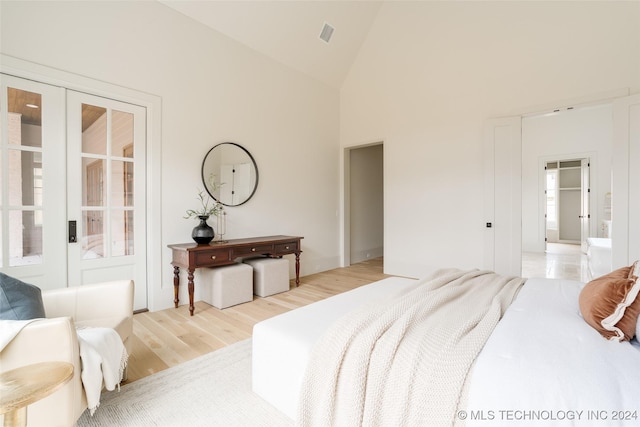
227	286
270	275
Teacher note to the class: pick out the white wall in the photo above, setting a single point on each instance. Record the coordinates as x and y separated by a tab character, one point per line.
212	90
431	73
578	133
367	203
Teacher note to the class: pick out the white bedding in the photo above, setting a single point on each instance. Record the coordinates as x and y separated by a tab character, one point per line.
541	357
281	345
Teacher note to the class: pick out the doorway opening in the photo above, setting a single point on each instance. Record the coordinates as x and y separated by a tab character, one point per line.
364	203
567	201
566	172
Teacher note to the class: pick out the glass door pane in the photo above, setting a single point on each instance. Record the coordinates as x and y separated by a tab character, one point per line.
108	184
94	150
25	176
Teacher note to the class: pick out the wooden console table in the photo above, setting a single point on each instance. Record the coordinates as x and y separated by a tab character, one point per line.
214	254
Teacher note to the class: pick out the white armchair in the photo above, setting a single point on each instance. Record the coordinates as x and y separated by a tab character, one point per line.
108	304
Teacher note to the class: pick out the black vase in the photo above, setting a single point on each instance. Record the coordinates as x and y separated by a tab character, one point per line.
202	233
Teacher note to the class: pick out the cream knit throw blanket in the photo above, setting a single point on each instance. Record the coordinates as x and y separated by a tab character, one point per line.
404	361
104	359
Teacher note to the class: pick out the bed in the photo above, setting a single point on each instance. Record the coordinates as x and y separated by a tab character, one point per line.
572	373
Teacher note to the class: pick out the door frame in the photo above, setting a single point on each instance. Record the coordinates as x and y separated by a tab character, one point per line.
345	211
153	104
515	240
591	157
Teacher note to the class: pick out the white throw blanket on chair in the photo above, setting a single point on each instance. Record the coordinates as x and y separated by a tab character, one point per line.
9	329
104	359
404	361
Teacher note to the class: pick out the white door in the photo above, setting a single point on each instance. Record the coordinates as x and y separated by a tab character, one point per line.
106	197
85	165
503	195
33	208
626	181
585	208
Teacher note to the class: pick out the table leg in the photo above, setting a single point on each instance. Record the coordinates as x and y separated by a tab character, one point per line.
176	284
297	269
191	287
16	418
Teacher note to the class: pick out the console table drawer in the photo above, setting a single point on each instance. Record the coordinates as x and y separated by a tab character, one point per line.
286	248
251	250
213	257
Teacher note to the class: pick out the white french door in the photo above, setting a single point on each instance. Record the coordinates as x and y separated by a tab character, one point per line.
73	186
32	153
105	191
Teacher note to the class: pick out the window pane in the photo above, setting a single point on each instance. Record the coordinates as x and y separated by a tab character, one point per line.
94	129
93	238
551	180
25	239
24	118
121	134
15	177
37	190
93	184
122	232
122	185
25	178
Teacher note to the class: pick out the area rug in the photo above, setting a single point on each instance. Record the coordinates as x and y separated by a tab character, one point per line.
211	390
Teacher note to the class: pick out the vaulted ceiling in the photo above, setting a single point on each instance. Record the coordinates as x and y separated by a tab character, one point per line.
289	31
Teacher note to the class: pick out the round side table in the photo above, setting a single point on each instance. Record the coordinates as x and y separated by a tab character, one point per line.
25	385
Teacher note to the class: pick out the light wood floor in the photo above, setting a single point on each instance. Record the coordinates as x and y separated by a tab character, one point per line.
169	337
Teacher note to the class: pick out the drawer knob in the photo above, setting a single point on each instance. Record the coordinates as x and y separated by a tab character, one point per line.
213	257
286	247
253	249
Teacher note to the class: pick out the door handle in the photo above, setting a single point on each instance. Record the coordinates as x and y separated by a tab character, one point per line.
73	234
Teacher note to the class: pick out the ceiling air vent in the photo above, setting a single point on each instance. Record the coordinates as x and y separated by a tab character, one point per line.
327	32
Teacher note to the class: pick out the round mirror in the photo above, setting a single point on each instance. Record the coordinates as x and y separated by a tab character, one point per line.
229	174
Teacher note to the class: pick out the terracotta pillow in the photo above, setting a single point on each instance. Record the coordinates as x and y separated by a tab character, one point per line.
610	304
635	272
